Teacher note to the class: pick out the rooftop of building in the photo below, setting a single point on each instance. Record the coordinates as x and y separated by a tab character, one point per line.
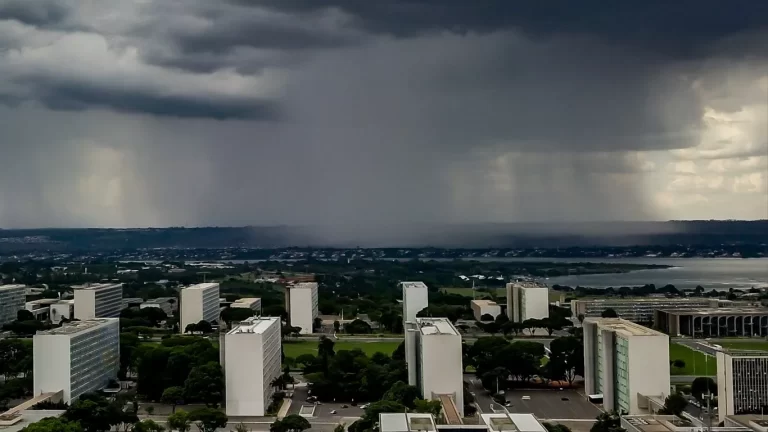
11	286
97	286
28	417
75	327
303	285
528	284
436	326
130	300
412	285
718	311
254	325
512	422
755	422
656	423
246	301
622	326
742	353
202	286
645	299
162	300
406	422
485	302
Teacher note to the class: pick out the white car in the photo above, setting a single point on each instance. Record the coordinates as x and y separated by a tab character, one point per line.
333	411
526	398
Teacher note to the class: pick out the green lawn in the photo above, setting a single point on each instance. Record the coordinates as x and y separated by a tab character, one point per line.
297	348
744	344
703	364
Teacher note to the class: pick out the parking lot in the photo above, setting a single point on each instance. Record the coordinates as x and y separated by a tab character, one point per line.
324	410
552	404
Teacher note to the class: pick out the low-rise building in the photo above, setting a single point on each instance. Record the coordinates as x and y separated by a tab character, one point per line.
485	307
248	303
252	359
53	310
11	302
640	309
618	355
103	300
713	322
76	358
507	422
199	303
527	300
407	422
167	304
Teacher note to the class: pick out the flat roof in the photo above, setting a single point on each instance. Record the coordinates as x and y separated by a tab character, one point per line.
202	286
303	285
161	300
646	300
413	285
406	422
620	325
247	300
512	422
31	416
97	286
717	311
254	325
436	326
75	327
11	286
529	284
485	302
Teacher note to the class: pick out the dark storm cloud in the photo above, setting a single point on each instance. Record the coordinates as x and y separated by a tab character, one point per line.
681	27
34	12
78	96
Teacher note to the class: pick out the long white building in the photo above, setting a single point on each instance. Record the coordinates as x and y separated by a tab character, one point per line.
742	383
199	303
527	300
11	302
77	358
436	360
623	359
301	305
253	304
251	361
415	298
98	301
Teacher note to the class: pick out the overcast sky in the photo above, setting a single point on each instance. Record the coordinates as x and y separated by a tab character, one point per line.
368	114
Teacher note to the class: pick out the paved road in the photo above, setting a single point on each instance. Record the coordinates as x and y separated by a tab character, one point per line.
697	345
543	340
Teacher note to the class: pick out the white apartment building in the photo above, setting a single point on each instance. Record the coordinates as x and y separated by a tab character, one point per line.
301	305
742	383
98	301
11	302
251	361
53	310
623	359
485	307
436	360
77	358
199	303
527	300
166	304
248	303
415	298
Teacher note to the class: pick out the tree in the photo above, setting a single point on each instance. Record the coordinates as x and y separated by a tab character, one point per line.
403	394
336	326
556	427
609	313
341	427
607	422
204	327
129	342
678	364
53	424
205	384
147	425
566	359
305	359
486	317
317	323
150	409
358	327
237	314
675	404
94	413
702	385
428	407
191	328
173	396
179	421
241	428
208	419
581	318
371	415
291	423
552	323
25	315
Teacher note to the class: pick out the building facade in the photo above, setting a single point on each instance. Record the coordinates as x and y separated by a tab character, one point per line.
77	358
252	359
713	322
301	304
199	303
742	383
527	300
12	300
98	301
436	360
53	310
485	307
248	303
415	298
618	355
640	309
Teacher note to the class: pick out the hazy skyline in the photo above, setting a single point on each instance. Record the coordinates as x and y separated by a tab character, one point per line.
369	115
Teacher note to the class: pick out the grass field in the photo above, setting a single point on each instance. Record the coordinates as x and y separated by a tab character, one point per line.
696	363
744	344
297	348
